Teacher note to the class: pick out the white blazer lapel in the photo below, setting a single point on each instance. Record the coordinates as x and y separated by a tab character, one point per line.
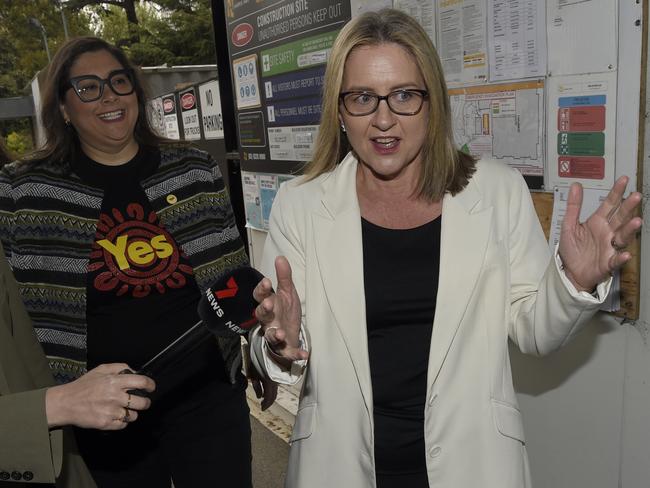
337	234
464	237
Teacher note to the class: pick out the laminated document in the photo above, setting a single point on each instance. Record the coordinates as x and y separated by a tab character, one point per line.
581	130
516	39
462	41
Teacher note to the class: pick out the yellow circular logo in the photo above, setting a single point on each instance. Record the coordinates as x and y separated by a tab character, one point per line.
171	199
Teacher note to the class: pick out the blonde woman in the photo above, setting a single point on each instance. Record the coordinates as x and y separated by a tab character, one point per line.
402	268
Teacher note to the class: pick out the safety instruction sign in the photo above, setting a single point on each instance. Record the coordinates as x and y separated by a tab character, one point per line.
581	126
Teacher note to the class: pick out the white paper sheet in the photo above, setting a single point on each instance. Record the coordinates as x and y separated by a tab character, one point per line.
504	122
252	200
462	40
211	114
423	11
358	7
516	39
582	36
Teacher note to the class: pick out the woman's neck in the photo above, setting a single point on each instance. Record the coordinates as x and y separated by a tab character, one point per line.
394	203
113	157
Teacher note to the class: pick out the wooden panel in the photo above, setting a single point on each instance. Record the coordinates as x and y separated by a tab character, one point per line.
544	207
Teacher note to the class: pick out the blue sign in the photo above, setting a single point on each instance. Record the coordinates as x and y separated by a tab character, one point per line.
582	101
305	111
304	83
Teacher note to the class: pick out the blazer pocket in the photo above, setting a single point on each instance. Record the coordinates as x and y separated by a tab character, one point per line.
303	427
507	419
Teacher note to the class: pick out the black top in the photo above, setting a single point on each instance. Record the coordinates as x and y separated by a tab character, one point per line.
401	283
141	292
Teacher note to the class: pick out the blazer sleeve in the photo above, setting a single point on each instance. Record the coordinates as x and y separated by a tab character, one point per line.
28	448
546	311
283	239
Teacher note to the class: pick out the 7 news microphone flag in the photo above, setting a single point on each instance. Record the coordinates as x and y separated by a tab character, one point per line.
227	308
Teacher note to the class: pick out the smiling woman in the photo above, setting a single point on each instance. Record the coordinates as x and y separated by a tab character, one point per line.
66	99
113	234
103	118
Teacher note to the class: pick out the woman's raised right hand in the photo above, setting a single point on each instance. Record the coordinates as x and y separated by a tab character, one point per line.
99	399
279	313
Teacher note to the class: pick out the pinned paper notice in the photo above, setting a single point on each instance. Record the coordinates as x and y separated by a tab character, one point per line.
591	200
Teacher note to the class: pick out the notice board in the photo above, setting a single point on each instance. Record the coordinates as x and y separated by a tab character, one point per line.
277	54
551	88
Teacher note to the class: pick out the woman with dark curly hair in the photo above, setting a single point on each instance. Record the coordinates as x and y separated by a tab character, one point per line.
113	233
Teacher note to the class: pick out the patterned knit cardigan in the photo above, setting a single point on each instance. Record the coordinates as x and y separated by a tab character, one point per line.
48	221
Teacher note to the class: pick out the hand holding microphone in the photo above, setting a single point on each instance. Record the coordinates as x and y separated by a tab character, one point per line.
100	399
234	304
279	313
226	309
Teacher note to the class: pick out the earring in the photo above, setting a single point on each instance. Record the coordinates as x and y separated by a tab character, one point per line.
67	122
343	127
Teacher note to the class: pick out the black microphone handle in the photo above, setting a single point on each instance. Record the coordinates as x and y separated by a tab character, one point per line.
226	309
177	350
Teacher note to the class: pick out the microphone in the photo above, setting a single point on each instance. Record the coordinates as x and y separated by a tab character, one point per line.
226	309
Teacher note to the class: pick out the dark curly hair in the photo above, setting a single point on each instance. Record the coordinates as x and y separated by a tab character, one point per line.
61	141
5	156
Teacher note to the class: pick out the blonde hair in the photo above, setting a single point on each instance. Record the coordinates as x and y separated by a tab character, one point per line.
445	168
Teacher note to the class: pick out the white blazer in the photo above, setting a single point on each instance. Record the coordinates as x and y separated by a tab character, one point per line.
497	281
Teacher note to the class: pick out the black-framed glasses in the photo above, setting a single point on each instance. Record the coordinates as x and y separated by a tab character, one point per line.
90	87
400	102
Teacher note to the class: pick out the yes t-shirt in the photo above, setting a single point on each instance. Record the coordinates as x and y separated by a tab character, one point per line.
141	289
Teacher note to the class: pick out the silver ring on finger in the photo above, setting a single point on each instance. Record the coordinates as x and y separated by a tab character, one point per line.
273	328
617	247
612	213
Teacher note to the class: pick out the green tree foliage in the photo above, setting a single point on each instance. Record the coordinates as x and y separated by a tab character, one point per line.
172	33
127	7
152	33
187	33
23	55
22	49
19	142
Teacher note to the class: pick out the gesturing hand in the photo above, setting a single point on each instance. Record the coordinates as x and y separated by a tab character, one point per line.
99	399
592	250
280	313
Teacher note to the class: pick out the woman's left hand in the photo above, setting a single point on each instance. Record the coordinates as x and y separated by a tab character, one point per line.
591	251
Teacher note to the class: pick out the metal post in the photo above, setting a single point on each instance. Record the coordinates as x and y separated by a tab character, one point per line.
34	21
63	19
